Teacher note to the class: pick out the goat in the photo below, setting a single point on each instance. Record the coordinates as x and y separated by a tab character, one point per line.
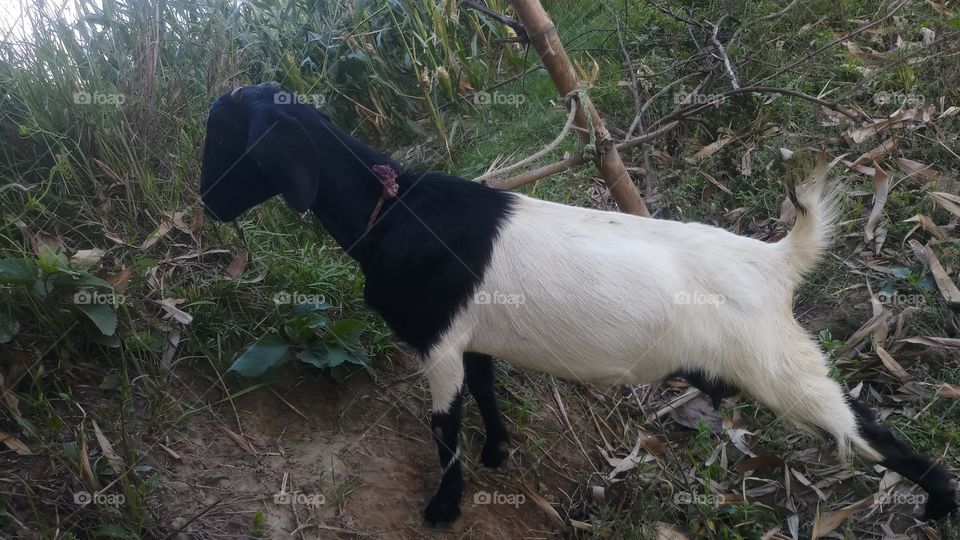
463	273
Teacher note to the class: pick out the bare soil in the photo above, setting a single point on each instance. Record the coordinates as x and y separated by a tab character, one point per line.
364	446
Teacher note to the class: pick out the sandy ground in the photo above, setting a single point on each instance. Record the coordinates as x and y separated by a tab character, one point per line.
363	448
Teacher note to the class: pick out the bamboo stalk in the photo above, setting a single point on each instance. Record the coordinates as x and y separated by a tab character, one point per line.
543	35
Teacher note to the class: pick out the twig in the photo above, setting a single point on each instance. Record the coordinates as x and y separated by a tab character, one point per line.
573	161
780	13
574	104
723	54
500	18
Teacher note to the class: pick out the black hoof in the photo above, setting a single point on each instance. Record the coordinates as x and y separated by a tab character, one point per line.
940	505
442	511
495	452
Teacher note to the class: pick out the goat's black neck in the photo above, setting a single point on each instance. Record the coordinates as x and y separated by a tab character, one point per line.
349	191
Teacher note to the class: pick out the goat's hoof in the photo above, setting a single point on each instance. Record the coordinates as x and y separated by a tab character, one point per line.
494	453
442	511
940	505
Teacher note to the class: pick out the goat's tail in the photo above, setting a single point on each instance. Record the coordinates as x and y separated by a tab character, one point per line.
816	217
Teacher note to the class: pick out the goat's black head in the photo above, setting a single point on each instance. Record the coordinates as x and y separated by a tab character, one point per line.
260	142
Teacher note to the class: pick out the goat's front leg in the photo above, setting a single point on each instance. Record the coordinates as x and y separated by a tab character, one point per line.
481	380
445	375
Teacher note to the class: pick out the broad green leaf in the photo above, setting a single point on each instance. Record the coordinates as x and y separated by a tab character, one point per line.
102	315
8	328
17	272
316	356
53	261
91	281
309	307
258	358
347	330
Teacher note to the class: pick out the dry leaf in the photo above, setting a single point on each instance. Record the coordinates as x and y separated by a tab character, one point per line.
892	365
88	257
170	348
883	319
86	471
120	280
949	201
915	168
881	188
877	153
947	288
666	531
938	342
116	462
928	225
241	441
746	163
948	391
713	147
698	409
170	306
14	444
162	230
542	503
823	525
238	264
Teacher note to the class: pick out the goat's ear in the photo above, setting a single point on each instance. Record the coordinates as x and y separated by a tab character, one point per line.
283	149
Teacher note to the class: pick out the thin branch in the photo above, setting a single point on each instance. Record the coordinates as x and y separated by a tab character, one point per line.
516	25
723	54
574	104
573	161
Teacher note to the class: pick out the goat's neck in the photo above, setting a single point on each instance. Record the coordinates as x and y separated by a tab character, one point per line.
348	193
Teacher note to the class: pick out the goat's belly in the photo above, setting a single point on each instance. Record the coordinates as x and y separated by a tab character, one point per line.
598	359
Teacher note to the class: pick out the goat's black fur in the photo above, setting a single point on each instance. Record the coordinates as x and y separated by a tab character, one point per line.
424	256
932	477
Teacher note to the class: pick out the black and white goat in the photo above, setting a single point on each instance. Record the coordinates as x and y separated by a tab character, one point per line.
606	298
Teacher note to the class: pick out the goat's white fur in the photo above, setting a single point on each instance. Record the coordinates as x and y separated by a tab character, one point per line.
619	299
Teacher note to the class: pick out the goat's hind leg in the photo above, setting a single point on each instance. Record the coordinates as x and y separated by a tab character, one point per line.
898	457
810	398
480	372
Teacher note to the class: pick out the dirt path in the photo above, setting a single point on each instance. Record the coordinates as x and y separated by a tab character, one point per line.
363	447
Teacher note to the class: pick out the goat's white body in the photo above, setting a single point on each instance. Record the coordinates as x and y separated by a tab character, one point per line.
619	299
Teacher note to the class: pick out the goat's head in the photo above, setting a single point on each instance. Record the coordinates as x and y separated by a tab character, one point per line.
260	143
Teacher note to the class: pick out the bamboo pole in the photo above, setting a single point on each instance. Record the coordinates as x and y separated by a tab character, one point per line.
543	35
